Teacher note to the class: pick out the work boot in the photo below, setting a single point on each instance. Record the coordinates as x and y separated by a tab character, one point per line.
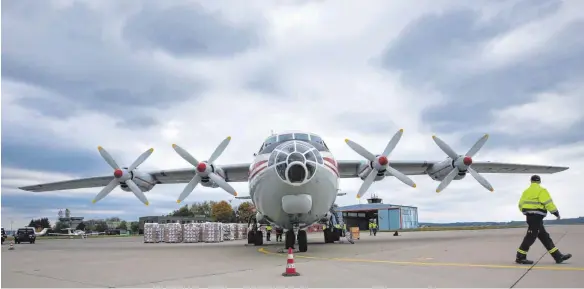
559	257
522	259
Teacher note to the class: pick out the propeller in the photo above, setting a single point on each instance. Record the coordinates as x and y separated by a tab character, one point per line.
123	175
462	163
380	163
204	169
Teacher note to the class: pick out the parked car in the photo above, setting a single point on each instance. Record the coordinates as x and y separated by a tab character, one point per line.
25	235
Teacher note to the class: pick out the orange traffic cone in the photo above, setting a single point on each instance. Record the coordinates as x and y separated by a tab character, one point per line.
290	267
11	245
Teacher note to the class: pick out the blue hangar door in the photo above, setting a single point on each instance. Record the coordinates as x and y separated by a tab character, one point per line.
389	219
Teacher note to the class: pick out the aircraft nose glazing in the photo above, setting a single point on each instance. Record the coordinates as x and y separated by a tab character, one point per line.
295	162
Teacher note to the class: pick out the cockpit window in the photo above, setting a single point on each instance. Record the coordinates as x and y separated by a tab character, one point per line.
271	140
301	136
316	139
285	137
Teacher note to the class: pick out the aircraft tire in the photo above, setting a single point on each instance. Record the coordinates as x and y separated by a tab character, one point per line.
302	241
250	237
258	238
328	237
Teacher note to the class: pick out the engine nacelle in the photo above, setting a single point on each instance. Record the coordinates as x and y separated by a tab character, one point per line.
366	168
207	182
439	171
144	181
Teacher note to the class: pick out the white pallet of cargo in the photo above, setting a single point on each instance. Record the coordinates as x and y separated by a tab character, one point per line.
151	232
229	230
212	232
192	233
160	233
173	233
241	231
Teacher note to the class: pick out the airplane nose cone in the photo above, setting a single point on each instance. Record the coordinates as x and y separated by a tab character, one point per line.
295	161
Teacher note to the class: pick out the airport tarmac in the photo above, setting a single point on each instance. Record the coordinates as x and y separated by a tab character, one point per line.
471	259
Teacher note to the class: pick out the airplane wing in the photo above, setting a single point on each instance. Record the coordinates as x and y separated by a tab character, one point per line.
232	173
353	169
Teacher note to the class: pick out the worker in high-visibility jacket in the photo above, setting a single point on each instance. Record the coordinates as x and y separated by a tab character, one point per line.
374	228
535	203
370	228
268	232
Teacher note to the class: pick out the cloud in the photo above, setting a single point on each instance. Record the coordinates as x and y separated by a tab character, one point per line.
133	75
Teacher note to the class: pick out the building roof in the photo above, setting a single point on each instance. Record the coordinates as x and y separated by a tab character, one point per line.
369	207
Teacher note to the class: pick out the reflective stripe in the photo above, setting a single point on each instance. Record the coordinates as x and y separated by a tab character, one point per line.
534	212
547	202
551	212
553	250
522	252
530	202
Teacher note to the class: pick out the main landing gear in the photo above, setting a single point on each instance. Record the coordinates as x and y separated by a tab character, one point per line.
331	234
254	236
302	239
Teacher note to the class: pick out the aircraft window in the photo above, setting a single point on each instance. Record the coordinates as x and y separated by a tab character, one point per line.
310	156
296	157
270	140
272	160
311	169
281	169
301	136
285	137
324	144
316	139
301	147
281	158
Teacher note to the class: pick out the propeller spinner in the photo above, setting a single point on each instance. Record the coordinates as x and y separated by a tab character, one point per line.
123	175
380	163
462	163
203	169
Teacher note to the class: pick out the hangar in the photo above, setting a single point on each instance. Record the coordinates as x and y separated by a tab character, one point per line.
387	216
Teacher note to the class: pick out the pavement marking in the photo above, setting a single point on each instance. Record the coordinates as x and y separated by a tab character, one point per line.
467	265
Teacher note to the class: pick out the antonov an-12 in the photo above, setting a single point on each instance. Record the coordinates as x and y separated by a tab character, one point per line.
294	178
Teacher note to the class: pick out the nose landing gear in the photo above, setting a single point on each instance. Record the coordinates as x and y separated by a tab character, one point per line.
302	239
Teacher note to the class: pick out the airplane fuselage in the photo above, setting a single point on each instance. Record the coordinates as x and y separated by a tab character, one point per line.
293	184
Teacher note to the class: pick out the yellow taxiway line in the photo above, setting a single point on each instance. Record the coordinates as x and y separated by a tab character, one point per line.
465	265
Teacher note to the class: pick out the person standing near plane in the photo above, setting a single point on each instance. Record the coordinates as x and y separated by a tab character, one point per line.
268	232
535	202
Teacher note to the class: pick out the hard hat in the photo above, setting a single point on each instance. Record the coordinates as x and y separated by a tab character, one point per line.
535	178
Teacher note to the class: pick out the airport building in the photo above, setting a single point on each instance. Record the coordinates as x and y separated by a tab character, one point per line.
388	217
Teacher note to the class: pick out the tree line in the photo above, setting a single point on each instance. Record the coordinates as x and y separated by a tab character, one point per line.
88	225
217	211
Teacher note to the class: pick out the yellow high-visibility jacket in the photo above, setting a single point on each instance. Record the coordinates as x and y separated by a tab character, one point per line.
536	200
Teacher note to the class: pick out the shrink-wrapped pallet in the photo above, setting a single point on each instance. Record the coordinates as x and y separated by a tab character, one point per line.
160	233
151	232
240	231
173	233
229	231
192	233
212	232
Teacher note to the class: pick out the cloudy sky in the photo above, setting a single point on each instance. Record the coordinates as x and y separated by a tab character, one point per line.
130	75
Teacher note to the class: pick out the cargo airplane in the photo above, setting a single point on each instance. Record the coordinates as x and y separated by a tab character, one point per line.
294	178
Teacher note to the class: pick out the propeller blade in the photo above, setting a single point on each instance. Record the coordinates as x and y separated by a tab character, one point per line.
222	183
219	150
477	146
137	192
106	190
393	142
141	159
447	180
189	188
480	179
185	155
360	150
445	148
108	158
367	183
400	176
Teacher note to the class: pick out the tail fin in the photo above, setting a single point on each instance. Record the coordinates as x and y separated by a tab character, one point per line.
42	233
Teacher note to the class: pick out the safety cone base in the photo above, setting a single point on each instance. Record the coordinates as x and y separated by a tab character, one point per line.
290	274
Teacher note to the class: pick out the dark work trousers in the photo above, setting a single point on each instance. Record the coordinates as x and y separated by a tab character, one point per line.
278	236
268	235
536	230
